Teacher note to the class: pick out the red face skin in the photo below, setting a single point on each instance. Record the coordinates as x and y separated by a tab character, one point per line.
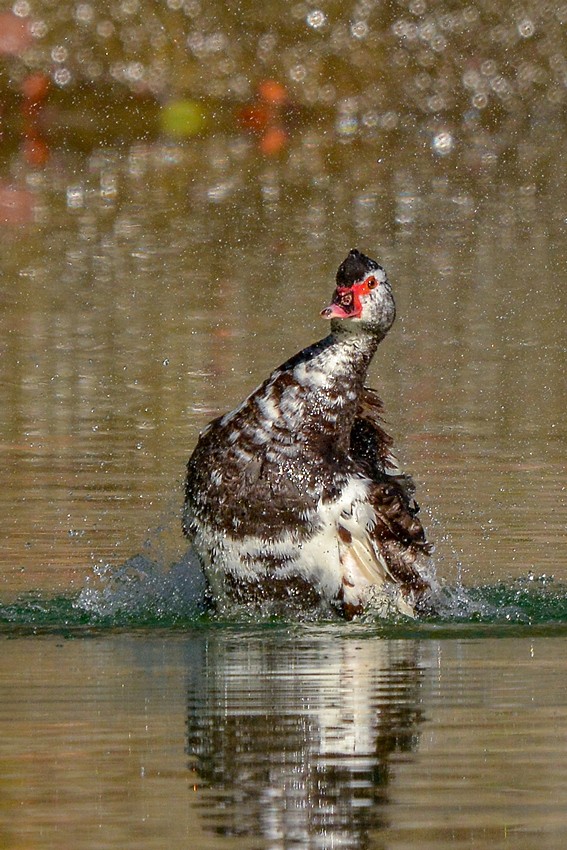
346	303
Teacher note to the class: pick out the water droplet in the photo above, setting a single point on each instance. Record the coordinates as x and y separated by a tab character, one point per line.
219	192
389	120
371	119
191	8
417	7
59	53
84	13
479	100
21	8
39	29
134	71
266	44
526	28
105	29
108	186
488	68
359	29
438	43
298	73
75	197
129	7
443	143
435	103
347	124
62	77
316	19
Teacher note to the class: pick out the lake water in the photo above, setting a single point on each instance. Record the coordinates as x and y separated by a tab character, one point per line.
144	290
303	736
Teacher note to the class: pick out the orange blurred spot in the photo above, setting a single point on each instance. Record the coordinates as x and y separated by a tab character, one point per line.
266	116
254	117
35	151
35	87
272	92
273	141
16	205
15	35
266	108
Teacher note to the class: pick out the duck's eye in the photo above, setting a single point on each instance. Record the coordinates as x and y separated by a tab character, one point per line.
371	283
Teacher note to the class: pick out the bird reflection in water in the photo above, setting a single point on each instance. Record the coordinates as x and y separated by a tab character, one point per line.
294	742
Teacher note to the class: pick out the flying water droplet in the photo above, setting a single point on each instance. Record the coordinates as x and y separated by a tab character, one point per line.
443	143
316	19
526	28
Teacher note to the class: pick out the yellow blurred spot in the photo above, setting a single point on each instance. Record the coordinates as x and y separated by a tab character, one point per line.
182	118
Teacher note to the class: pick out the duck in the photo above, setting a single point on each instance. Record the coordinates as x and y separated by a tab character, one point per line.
294	500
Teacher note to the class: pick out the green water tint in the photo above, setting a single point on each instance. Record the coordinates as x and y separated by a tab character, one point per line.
140	594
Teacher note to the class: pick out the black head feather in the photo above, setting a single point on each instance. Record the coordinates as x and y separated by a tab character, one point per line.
355	267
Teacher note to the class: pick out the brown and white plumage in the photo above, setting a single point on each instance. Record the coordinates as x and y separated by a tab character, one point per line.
295	495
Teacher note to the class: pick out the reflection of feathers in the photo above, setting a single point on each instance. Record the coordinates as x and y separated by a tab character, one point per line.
291	752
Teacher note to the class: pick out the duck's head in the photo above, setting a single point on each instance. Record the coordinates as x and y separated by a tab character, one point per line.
363	297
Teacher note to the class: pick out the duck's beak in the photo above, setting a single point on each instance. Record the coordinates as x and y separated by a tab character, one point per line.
345	304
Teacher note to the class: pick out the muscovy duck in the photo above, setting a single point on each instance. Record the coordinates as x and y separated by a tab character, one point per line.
294	497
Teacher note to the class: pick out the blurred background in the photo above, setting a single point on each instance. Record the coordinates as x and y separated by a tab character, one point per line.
179	180
457	73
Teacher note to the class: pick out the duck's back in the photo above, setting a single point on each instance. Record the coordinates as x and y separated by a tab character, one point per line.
260	470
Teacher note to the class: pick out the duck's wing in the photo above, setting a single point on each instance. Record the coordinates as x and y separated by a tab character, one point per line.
371	449
388	539
378	563
388	533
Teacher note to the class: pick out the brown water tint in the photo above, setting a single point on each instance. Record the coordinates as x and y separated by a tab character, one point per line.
145	287
145	290
150	289
277	738
370	67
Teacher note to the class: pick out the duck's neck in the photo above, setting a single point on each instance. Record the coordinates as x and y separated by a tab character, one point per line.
332	379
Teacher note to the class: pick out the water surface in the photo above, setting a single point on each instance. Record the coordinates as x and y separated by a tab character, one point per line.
133	314
144	290
276	737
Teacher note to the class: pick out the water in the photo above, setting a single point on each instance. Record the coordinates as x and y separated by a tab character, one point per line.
318	737
151	289
132	317
146	288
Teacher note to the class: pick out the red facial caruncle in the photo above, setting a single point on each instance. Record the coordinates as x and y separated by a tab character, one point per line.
347	300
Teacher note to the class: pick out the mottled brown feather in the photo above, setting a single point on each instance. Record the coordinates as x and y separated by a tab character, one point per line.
398	532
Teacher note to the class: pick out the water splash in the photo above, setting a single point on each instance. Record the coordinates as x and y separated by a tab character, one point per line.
523	601
141	594
141	590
